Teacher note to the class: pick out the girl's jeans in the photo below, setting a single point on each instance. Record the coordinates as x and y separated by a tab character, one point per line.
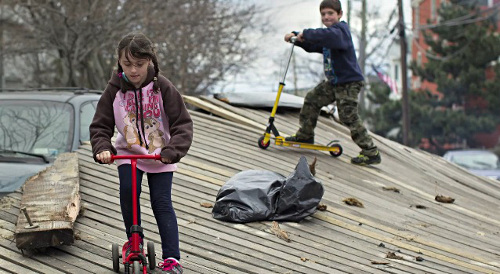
160	191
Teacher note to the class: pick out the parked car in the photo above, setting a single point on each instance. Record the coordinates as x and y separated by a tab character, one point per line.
36	125
479	162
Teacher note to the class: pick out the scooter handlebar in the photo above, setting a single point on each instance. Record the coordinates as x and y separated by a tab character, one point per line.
293	39
154	157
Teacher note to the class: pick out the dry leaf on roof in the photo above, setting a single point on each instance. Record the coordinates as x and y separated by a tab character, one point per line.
321	207
421	207
392	255
312	167
207	205
353	202
375	262
391	188
444	199
280	233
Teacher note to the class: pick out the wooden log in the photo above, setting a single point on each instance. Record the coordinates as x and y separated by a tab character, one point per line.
50	205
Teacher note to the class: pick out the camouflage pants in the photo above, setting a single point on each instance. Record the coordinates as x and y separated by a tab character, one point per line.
347	103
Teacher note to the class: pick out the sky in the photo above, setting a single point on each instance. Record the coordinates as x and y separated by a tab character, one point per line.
266	71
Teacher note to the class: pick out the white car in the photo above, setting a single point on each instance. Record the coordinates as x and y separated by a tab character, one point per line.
479	162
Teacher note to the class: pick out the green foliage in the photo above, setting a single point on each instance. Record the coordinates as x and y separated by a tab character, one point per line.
461	46
427	120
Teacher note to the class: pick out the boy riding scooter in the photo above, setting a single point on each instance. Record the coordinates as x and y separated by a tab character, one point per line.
343	84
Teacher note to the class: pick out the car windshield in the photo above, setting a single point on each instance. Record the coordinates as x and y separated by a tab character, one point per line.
481	161
38	127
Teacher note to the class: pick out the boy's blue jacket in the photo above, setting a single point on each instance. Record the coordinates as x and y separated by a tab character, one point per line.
335	43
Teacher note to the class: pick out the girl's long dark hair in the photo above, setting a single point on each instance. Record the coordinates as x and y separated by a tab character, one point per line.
139	46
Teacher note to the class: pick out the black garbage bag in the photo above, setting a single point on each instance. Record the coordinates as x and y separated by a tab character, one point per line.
258	195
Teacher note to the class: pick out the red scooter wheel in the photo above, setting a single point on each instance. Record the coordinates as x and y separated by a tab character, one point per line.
151	256
116	258
136	267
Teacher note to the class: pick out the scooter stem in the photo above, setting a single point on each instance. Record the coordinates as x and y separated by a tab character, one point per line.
282	83
133	162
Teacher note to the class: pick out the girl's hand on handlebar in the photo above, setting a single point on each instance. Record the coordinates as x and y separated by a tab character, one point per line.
165	161
104	157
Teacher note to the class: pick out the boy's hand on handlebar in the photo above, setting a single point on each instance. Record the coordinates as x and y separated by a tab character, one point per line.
288	36
300	37
104	157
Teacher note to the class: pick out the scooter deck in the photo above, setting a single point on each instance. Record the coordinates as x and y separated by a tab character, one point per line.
334	148
283	143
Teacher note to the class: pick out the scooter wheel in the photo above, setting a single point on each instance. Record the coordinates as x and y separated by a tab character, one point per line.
336	154
116	257
151	256
137	267
261	143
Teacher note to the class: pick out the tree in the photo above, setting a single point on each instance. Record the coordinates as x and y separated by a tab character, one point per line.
72	43
201	41
461	48
67	43
428	121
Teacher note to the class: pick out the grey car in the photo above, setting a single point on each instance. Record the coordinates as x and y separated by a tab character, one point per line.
36	125
479	162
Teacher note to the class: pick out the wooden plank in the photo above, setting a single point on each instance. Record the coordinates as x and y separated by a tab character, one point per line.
410	247
10	260
52	202
222	112
43	259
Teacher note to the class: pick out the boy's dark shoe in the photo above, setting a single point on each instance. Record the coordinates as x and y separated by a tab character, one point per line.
366	160
294	138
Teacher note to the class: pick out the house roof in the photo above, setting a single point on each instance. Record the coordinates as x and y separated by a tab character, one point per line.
400	213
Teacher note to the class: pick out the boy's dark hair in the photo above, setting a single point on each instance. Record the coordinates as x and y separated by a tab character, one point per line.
332	4
138	46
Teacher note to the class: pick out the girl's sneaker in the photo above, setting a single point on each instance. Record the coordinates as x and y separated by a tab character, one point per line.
170	266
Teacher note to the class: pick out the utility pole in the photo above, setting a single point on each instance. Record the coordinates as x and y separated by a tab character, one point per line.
349	12
404	76
362	52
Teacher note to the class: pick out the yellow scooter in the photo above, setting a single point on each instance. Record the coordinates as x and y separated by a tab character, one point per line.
333	147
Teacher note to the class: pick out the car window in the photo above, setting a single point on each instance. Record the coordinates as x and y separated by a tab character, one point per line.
481	161
41	127
87	112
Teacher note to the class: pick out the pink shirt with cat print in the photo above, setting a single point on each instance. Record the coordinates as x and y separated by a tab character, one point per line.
154	132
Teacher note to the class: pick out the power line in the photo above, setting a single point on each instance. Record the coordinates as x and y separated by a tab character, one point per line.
463	19
441	58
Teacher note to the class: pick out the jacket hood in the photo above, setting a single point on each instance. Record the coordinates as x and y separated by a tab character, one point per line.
123	85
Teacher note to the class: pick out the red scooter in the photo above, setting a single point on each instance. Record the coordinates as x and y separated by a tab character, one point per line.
136	258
